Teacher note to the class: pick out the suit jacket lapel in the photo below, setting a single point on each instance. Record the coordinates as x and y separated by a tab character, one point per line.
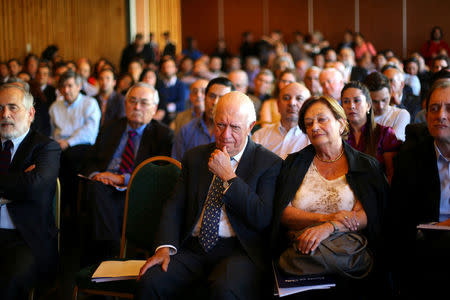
205	178
22	152
245	164
147	143
115	138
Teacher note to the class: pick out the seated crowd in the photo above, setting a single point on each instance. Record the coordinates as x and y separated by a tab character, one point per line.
282	138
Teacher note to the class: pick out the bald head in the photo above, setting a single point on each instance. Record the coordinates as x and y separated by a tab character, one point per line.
290	102
239	79
234	118
332	82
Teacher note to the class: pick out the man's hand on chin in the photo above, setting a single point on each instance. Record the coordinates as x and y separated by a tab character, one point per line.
109	178
219	164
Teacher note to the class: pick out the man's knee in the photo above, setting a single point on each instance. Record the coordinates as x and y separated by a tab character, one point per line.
152	285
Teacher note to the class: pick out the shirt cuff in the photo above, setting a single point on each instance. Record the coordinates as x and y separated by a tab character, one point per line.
172	249
126	178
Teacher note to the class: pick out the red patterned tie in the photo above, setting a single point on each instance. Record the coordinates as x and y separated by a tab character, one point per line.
127	163
5	157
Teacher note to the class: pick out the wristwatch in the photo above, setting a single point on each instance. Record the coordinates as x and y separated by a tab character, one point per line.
336	229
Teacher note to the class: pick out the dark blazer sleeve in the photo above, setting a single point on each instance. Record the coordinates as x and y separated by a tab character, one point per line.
17	184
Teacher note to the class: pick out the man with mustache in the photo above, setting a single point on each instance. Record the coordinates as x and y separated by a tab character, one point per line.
421	194
285	137
29	165
120	147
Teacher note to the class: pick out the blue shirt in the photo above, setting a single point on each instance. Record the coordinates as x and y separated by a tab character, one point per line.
191	135
114	164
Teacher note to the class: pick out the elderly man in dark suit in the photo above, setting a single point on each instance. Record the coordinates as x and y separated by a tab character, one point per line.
120	147
29	165
214	226
421	194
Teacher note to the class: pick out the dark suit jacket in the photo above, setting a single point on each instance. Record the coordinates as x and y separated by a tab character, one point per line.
43	100
415	199
157	139
248	201
115	107
32	195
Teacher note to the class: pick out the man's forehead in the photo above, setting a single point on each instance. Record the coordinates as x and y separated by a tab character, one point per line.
141	92
10	95
440	95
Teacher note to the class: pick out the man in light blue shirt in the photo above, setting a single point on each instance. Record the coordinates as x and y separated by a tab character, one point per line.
74	124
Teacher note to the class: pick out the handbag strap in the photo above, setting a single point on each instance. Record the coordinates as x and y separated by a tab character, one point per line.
330	259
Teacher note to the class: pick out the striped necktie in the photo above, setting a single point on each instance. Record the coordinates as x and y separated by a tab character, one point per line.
127	163
5	157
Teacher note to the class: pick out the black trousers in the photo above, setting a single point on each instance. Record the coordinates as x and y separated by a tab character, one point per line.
105	206
17	266
72	161
226	272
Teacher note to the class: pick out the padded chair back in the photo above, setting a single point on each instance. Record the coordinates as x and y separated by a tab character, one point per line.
151	184
57	208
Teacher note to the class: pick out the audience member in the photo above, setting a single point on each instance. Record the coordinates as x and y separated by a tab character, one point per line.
365	135
385	114
329	187
284	136
398	97
269	111
420	257
361	46
169	47
200	131
84	69
120	147
197	100
434	45
75	122
44	95
28	172
332	82
312	81
263	85
233	256
111	103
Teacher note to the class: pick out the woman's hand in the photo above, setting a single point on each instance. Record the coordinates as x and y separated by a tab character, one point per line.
346	218
310	239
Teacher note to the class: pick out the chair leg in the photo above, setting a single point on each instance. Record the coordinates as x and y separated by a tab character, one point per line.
75	293
31	294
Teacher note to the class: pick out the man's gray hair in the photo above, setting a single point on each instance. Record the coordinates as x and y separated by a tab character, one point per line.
145	85
70	74
265	72
20	82
27	100
241	72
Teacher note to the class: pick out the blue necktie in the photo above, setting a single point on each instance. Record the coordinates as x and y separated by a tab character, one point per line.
209	230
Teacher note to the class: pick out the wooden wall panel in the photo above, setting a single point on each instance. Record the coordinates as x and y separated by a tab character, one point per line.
85	28
241	16
332	18
199	20
165	15
381	23
288	16
422	16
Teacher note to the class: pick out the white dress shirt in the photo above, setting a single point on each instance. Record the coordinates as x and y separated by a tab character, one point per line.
396	118
5	219
281	142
